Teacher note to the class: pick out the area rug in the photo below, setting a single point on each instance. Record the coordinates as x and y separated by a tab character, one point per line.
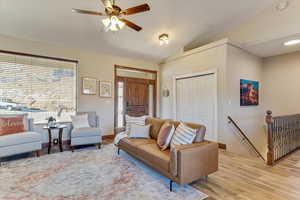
89	174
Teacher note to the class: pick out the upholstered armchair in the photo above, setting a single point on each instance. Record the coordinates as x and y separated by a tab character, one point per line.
87	135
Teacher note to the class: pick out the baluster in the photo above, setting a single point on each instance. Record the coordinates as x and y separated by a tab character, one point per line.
270	154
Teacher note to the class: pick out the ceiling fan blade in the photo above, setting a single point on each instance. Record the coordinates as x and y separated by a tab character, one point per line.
131	25
137	9
88	12
107	3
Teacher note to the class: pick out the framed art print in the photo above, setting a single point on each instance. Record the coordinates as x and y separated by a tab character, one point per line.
249	93
105	88
89	86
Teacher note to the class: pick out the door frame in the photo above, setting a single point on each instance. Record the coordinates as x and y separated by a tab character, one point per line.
117	78
196	74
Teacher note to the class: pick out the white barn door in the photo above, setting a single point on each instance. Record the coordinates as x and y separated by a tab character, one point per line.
196	101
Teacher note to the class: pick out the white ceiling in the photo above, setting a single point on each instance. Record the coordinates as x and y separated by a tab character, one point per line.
273	47
184	20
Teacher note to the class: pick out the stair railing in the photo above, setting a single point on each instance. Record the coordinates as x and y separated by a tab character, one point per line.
245	138
283	136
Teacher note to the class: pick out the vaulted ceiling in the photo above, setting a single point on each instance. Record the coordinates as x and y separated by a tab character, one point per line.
52	21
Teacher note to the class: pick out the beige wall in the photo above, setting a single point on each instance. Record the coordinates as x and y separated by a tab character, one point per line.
232	64
281	84
91	64
242	65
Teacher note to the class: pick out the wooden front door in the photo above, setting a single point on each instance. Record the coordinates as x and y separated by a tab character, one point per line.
136	97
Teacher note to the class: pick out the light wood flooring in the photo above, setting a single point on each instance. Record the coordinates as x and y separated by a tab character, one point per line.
248	178
241	178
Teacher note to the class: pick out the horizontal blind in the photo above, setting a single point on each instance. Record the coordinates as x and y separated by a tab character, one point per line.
37	86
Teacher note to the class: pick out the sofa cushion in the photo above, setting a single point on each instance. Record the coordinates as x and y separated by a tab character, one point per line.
19	138
153	154
138	131
183	135
85	132
156	124
132	145
200	130
165	135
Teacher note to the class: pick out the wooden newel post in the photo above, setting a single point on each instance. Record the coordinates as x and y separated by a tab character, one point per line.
270	154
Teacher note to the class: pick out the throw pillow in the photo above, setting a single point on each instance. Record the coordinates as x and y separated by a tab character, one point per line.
165	135
183	135
134	120
80	121
11	125
24	116
138	131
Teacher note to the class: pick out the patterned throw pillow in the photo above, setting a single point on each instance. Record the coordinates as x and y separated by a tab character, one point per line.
183	135
165	135
134	120
11	125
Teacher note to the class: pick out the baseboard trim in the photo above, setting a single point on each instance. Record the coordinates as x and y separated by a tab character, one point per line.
222	146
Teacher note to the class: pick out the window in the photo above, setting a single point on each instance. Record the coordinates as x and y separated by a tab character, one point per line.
38	86
120	105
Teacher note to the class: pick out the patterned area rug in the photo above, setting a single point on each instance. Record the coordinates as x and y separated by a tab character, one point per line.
89	174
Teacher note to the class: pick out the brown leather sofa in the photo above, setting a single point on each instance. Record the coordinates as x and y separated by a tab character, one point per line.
184	164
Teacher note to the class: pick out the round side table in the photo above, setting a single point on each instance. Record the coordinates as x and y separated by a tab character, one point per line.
60	129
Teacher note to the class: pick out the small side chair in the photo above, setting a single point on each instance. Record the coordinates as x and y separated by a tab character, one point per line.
88	135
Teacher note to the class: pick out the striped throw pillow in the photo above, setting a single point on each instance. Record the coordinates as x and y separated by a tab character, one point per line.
134	120
183	135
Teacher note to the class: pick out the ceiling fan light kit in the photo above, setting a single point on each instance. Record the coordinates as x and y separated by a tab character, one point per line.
115	21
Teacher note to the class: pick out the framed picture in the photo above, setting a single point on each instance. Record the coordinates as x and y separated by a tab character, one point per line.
249	92
89	86
105	88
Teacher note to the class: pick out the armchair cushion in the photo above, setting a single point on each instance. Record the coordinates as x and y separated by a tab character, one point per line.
80	121
92	118
85	132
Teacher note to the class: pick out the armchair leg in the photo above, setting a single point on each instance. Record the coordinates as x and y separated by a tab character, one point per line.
99	146
72	148
171	186
38	153
118	151
206	178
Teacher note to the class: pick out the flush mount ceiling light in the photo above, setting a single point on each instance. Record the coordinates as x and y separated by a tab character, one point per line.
282	5
292	42
163	39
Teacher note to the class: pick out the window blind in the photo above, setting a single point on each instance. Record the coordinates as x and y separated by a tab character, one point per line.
37	86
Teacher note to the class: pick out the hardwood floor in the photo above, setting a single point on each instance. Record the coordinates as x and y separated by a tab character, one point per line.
244	178
247	178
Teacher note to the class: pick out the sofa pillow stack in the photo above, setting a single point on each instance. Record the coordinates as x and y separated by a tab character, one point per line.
165	135
135	127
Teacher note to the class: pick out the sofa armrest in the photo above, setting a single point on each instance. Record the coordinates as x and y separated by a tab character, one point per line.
196	160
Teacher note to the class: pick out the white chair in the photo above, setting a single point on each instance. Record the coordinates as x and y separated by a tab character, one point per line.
19	143
89	135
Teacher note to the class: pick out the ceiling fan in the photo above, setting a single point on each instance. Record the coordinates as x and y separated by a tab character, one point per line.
115	14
